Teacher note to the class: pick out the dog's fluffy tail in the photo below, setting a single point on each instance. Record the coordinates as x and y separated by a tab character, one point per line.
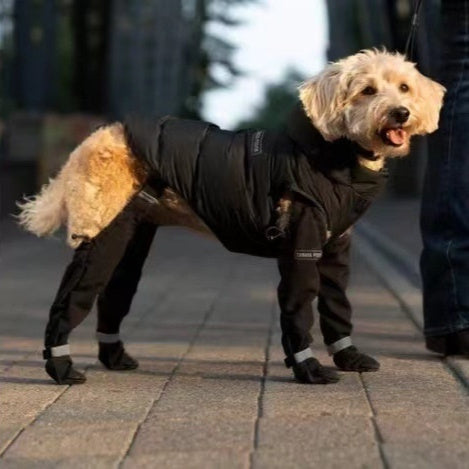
43	213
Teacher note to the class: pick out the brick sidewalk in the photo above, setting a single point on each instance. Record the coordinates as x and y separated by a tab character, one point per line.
211	390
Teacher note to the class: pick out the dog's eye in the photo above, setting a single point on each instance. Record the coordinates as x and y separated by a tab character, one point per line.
404	88
369	90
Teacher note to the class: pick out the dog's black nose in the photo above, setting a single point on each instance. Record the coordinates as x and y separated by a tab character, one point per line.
400	114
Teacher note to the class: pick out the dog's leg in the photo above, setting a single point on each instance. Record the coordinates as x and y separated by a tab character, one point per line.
114	302
85	277
335	309
298	287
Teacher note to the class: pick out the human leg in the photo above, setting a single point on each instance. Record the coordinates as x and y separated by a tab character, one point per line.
445	202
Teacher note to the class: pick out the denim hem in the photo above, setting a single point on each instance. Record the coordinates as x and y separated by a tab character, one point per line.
448	329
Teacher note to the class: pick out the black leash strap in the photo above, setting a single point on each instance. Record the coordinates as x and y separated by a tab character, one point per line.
409	46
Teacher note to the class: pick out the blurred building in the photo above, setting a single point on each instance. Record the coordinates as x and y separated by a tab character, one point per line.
360	24
69	64
150	55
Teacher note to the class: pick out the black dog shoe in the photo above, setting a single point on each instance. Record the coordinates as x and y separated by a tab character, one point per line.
114	357
61	370
350	359
310	371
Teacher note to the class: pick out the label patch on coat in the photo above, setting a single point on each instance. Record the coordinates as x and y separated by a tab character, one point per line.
308	254
257	140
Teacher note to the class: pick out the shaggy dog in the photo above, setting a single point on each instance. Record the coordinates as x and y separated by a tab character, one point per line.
355	114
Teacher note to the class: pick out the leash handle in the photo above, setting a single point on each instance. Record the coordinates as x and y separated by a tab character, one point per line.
409	46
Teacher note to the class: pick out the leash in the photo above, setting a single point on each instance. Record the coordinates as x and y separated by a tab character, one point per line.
410	43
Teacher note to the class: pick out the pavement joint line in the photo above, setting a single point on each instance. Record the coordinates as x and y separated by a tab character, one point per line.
458	375
260	397
33	419
200	327
162	297
17	360
395	253
378	436
369	250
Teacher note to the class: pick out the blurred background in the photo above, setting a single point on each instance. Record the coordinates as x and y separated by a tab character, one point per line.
69	65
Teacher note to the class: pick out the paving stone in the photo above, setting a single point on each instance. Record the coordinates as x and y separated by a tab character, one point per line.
189	459
7	434
426	439
317	441
212	396
285	398
108	397
425	456
316	457
193	434
44	441
407	385
77	462
25	392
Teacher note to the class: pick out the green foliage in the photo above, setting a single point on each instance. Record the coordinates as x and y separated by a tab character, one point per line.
279	98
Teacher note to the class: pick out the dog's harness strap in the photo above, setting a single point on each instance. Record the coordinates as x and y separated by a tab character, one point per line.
339	345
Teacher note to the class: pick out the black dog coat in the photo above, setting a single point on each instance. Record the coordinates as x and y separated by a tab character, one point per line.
234	180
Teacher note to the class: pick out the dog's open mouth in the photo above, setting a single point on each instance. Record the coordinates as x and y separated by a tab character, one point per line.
395	136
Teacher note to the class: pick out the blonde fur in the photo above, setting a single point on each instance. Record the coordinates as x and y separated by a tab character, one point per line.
44	213
91	189
101	174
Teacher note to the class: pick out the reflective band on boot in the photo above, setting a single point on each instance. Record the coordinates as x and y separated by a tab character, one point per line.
303	355
107	338
339	345
59	351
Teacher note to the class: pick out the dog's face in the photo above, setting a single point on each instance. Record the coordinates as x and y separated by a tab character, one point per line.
376	99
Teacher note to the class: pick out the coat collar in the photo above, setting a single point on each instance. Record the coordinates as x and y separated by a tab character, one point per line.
336	159
332	158
302	131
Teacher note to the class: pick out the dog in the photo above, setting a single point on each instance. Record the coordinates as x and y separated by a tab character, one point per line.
293	195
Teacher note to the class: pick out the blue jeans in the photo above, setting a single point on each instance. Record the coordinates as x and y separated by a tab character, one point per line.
445	203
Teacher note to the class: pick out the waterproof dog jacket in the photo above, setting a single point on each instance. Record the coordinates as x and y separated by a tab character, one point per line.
234	180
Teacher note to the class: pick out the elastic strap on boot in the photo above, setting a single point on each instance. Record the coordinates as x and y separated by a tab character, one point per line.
58	351
107	338
298	357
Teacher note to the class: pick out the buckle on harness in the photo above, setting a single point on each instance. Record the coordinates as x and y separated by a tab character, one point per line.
147	197
274	232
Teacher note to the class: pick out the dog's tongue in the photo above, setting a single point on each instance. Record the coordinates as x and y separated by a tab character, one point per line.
396	136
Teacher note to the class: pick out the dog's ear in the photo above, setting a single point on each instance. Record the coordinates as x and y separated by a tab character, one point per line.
431	95
323	98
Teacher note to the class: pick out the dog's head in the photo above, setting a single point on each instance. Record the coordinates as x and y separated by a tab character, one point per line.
374	98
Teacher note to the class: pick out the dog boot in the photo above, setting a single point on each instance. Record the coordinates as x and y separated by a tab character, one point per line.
114	357
310	371
61	370
350	359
